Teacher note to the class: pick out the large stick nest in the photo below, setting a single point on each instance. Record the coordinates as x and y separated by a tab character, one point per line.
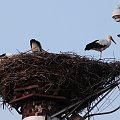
68	75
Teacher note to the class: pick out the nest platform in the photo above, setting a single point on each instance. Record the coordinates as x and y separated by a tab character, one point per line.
59	80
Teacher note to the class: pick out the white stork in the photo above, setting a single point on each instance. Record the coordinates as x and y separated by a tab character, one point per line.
3	55
6	55
100	44
35	45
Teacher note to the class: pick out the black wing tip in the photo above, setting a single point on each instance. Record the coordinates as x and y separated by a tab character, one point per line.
88	47
2	55
85	49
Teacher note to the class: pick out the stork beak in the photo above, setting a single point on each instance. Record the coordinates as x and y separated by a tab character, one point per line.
113	41
118	35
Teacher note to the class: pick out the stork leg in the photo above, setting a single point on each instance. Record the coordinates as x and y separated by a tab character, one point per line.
100	55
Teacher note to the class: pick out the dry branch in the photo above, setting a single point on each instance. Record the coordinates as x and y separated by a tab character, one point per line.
68	75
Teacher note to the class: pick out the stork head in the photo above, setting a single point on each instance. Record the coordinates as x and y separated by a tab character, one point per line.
109	37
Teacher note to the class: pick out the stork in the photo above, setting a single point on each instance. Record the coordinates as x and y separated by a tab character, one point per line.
3	55
35	45
6	55
100	44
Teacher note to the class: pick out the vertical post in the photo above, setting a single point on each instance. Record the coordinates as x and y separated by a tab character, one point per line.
35	118
34	110
37	109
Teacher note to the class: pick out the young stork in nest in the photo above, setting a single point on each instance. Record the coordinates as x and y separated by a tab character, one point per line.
35	46
100	44
5	55
8	55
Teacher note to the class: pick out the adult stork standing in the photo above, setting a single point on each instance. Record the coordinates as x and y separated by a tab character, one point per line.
100	44
35	46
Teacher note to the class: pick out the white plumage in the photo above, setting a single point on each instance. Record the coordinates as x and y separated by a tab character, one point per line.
100	44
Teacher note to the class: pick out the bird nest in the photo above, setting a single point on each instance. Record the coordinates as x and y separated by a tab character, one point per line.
68	75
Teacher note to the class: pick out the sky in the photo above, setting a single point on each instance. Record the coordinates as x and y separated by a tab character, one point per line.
60	26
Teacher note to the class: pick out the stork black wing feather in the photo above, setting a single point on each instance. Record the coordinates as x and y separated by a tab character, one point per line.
93	45
4	54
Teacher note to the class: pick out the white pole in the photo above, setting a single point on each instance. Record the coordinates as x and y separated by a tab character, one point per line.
35	118
40	118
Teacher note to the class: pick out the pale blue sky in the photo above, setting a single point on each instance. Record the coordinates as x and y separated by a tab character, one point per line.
60	25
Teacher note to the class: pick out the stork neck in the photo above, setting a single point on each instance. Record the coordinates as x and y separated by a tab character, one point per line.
109	40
